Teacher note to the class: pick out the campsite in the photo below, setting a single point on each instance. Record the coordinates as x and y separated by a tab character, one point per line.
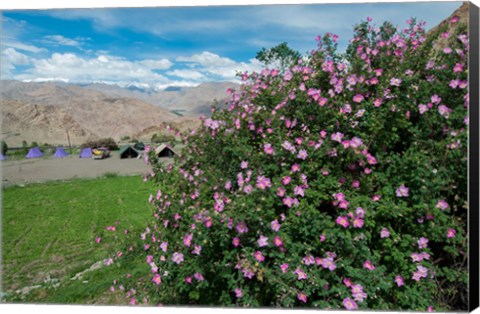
62	166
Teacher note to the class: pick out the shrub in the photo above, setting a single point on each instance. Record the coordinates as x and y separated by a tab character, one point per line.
4	147
341	183
104	142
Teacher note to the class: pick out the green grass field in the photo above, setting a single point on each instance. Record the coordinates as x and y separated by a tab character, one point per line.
49	231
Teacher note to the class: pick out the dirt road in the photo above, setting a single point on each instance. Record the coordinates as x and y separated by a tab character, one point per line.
45	169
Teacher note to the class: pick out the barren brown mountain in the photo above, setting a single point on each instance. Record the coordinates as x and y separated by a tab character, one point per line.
44	112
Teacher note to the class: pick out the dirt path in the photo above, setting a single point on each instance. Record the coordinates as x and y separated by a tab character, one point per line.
45	169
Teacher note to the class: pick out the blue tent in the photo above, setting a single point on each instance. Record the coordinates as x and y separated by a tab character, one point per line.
34	153
60	153
86	153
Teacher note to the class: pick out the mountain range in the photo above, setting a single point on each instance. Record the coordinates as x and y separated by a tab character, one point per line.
45	112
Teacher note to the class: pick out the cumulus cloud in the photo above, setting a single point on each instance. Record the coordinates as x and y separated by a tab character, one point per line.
187	74
15	57
211	64
72	68
10	59
161	64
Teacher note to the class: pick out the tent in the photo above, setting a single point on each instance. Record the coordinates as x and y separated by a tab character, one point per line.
60	153
139	146
34	153
86	153
2	157
128	151
164	151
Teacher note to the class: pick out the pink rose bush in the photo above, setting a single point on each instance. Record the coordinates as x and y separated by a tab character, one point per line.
354	199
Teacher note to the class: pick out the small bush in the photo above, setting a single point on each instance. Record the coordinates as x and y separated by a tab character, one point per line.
105	142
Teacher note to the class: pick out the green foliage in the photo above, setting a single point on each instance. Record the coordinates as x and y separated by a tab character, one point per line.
162	138
104	142
281	54
341	183
4	147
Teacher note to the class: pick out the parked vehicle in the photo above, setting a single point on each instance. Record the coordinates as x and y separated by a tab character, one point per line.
100	153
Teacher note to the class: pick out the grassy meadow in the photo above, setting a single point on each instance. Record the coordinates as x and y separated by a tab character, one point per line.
49	231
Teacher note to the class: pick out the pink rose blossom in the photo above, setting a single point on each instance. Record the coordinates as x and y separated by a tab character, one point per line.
259	256
302	297
399	281
368	265
451	233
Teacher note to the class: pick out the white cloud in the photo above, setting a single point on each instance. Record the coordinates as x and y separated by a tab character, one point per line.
60	40
72	68
15	57
9	60
161	64
212	64
24	47
207	59
187	74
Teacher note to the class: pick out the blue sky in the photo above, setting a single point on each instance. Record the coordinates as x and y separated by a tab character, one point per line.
185	46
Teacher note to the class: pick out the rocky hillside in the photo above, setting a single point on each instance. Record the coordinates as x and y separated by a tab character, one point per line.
43	112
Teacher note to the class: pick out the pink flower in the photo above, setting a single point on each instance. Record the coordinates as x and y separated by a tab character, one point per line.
349	304
244	165
384	233
308	260
402	191
399	281
286	180
451	233
302	154
358	98
263	182
98	239
348	282
284	268
295	168
302	297
177	258
277	241
422	243
259	256
242	227
262	241
444	111
157	279
199	277
164	246
360	212
343	221
301	275
337	137
197	249
357	223
368	265
422	108
281	191
458	68
238	293
187	240
236	242
442	204
268	149
395	81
